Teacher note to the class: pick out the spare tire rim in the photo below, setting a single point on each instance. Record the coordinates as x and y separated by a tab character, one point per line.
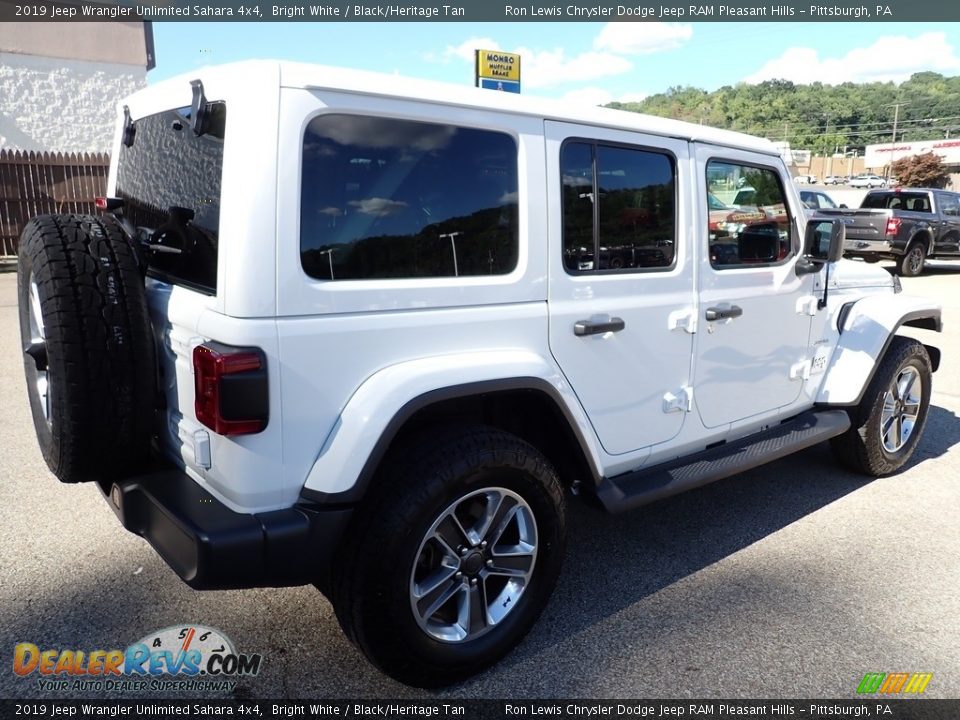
473	565
901	408
38	342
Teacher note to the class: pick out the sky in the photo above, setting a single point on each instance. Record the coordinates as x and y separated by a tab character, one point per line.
590	63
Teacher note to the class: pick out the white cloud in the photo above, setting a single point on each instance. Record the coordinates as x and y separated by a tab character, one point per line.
549	68
894	57
465	50
642	38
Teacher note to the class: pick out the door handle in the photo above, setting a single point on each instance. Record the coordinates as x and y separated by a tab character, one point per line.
724	313
589	327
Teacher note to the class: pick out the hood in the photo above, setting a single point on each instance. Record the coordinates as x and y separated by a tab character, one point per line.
858	274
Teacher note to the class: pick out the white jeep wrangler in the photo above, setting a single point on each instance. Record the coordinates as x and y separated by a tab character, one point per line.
365	332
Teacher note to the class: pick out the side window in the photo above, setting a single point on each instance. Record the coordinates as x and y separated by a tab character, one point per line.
748	220
949	204
390	198
619	208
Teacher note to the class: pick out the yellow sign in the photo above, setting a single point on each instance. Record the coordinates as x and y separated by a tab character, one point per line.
497	65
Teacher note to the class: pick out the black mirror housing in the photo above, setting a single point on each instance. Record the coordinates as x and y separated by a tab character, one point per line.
824	240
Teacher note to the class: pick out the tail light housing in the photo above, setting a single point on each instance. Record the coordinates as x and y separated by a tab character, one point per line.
230	386
108	203
893	225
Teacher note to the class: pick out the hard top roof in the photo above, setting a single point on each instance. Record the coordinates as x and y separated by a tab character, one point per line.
322	77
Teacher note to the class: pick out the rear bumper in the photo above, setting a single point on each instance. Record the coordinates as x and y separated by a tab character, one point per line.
854	247
211	547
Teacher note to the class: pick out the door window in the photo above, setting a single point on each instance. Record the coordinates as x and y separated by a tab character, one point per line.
948	204
619	208
753	225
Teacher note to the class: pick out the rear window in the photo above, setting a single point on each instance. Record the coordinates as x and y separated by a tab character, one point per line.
392	198
169	180
914	202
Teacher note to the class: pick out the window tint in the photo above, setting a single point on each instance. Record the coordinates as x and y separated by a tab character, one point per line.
816	200
915	202
618	208
169	181
754	228
949	204
388	198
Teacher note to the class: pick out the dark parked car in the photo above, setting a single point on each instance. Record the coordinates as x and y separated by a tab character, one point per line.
905	224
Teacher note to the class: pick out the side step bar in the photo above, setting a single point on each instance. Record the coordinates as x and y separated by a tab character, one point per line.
633	489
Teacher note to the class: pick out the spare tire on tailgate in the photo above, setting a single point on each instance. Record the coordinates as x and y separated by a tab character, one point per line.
89	354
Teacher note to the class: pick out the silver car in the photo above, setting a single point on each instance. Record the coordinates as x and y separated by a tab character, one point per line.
868	181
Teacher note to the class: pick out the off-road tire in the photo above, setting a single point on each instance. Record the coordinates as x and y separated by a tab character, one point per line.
371	583
910	264
861	448
98	353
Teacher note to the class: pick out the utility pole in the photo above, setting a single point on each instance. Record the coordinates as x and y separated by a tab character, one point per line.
893	140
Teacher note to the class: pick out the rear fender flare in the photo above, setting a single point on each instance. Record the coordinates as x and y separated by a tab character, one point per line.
384	401
925	235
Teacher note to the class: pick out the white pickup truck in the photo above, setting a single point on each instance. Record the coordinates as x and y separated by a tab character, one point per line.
370	333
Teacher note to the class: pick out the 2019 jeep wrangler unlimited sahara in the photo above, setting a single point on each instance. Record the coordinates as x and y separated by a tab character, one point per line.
363	332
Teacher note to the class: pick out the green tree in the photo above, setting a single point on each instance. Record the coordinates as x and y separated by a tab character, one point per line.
817	117
926	170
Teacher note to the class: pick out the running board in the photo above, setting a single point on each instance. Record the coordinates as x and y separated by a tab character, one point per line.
633	489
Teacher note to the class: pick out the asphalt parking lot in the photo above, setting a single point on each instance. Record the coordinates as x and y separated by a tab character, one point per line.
792	580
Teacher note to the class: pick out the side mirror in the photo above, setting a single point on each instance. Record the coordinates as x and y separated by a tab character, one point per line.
823	243
824	240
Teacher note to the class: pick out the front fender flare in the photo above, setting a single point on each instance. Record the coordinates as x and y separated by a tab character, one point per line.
866	329
385	400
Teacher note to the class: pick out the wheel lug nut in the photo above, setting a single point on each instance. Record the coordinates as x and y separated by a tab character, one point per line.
483	544
464	551
474	582
458	575
489	563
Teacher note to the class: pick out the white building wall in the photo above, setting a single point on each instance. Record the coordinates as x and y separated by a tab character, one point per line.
62	105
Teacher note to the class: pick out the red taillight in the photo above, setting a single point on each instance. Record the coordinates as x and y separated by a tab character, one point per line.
107	203
893	225
231	389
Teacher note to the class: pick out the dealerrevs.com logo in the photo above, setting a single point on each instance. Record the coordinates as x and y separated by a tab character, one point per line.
182	657
894	683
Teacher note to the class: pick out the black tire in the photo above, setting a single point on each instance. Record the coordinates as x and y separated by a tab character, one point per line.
389	549
862	448
910	264
92	349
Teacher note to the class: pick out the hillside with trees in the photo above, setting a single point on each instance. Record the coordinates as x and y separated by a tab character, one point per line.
818	117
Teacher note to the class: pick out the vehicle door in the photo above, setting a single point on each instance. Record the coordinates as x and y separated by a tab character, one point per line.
755	312
948	233
621	290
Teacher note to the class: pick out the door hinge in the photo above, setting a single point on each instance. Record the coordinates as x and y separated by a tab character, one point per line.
800	371
680	401
807	305
683	320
